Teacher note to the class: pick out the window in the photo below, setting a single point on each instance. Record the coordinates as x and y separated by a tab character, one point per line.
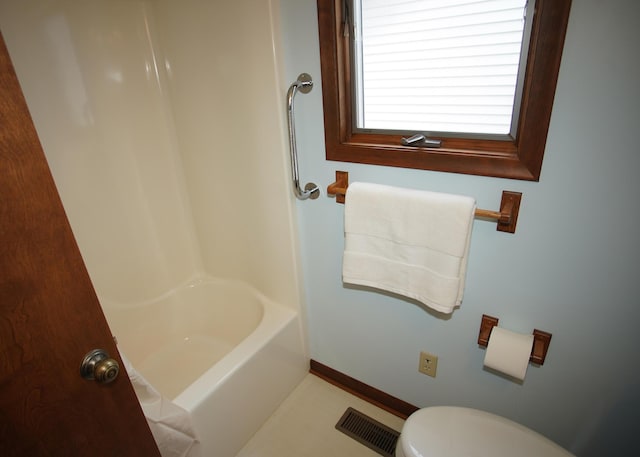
438	66
359	128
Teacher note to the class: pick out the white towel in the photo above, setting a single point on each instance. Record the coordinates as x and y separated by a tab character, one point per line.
413	243
169	423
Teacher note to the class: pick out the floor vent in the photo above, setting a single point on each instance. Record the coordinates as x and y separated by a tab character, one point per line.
369	432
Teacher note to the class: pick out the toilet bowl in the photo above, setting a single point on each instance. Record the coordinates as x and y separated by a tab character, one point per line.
448	431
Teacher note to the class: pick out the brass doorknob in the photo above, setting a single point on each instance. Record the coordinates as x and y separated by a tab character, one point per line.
97	366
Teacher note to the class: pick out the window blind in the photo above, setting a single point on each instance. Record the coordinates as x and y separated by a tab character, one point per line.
438	65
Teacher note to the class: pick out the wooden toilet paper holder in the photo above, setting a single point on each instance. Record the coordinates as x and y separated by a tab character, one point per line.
541	340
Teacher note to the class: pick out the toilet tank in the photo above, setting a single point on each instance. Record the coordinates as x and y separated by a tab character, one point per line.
448	431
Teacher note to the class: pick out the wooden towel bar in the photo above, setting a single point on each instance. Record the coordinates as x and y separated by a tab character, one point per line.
506	218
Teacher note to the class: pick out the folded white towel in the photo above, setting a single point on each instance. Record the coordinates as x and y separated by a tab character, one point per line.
413	243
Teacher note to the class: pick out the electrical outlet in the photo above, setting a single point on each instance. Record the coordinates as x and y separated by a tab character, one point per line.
428	364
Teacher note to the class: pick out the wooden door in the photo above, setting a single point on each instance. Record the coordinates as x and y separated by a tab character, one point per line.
49	314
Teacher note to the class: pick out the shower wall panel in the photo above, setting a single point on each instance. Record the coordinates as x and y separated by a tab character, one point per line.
162	122
90	76
228	105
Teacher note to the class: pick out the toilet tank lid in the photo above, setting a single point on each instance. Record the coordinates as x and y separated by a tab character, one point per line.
450	431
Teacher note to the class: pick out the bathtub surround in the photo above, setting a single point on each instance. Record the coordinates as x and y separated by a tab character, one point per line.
150	167
163	125
570	268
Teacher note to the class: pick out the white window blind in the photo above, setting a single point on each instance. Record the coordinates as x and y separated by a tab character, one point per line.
438	65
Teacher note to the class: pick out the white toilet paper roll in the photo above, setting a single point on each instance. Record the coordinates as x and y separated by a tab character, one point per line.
508	352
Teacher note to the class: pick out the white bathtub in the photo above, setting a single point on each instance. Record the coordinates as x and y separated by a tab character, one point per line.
220	350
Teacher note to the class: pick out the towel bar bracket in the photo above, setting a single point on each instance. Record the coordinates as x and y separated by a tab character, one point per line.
339	187
506	218
509	209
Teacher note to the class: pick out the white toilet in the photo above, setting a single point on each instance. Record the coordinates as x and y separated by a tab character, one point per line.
448	431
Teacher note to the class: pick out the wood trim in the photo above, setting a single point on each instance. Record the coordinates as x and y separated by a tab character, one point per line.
515	158
361	390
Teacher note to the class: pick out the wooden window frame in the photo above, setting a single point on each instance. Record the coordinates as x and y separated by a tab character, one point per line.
514	158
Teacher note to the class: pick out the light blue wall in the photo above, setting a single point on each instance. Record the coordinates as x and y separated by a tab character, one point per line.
571	269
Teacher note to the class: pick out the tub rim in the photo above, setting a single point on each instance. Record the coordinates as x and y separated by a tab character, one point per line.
274	318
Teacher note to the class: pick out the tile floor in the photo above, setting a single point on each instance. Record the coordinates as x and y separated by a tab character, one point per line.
304	425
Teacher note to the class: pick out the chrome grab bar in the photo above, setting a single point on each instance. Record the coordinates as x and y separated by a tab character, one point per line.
303	84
